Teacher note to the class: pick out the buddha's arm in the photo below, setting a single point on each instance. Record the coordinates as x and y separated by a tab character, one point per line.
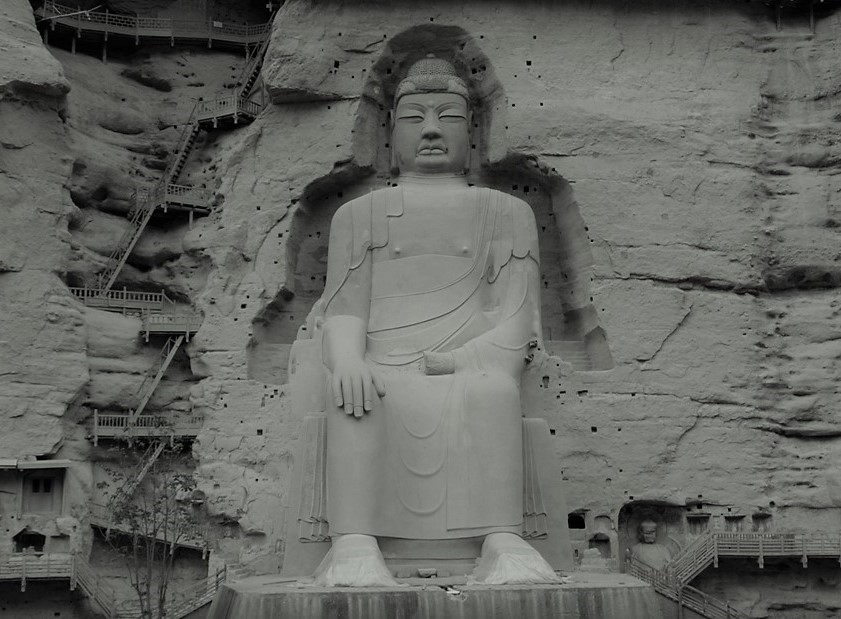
517	292
348	300
505	346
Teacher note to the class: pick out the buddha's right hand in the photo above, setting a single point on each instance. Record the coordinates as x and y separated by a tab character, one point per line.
354	385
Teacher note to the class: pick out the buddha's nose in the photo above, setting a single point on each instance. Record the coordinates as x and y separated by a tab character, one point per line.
430	129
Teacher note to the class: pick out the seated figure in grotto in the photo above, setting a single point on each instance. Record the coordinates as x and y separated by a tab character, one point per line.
648	550
431	314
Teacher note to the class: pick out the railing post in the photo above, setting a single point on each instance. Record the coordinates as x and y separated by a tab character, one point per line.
761	559
23	570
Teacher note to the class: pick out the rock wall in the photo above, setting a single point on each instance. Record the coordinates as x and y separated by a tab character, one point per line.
708	207
681	158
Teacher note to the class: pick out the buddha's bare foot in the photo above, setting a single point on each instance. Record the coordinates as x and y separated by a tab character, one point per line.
354	561
507	559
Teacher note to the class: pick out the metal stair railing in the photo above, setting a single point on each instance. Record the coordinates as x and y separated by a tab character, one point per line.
147	460
130	25
694	559
183	603
778	544
117	425
91	583
146	202
124	299
251	70
150	383
183	147
688	597
195	596
139	216
190	535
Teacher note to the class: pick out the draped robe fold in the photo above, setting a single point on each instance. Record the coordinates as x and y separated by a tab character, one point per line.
439	456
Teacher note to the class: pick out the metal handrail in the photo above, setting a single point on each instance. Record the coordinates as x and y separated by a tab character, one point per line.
155	26
122	297
685	595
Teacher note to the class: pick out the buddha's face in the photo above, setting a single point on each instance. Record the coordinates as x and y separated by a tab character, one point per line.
648	533
430	134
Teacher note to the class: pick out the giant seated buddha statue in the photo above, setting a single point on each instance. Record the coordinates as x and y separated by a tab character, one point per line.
429	317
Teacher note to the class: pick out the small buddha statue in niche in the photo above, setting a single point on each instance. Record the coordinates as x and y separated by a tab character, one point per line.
649	550
431	308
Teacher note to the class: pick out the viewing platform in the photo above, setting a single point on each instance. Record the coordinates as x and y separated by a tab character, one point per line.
120	425
673	581
161	29
159	314
190	535
708	548
35	565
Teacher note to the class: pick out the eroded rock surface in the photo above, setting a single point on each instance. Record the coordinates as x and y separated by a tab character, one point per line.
701	148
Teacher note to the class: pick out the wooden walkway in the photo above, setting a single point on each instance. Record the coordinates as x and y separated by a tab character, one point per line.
120	425
230	109
25	566
151	28
685	596
181	603
193	536
673	581
159	314
708	548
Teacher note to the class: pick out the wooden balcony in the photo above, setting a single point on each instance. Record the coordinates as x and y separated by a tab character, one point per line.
119	425
171	30
25	566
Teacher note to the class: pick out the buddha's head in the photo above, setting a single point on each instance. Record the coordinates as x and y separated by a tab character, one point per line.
647	532
431	120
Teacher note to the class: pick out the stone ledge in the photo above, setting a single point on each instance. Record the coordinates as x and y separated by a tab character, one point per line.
586	596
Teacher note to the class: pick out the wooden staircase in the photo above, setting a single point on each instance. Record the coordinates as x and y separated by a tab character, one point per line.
138	216
251	70
151	382
147	461
190	536
167	192
705	550
685	596
180	603
708	548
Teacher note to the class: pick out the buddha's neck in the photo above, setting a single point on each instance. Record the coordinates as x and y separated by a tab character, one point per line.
450	181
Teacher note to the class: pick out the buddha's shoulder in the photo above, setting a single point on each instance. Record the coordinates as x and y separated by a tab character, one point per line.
518	209
353	209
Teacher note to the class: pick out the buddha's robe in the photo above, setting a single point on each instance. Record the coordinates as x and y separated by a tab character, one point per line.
439	456
653	555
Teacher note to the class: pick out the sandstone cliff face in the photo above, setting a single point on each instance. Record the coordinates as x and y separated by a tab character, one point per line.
664	124
42	355
698	143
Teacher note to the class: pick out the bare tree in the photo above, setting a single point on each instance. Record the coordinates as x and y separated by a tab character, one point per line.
149	516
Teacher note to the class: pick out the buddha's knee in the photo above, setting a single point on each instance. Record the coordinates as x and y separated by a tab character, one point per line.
493	391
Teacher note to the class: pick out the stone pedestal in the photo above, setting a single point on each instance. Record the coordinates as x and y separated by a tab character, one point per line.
586	596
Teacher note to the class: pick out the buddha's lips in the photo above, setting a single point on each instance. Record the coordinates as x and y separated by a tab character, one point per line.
436	149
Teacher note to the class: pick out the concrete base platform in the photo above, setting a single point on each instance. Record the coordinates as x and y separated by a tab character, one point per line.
586	596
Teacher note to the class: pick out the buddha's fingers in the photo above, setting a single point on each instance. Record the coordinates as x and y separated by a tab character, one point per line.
337	389
379	385
367	388
358	390
347	393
